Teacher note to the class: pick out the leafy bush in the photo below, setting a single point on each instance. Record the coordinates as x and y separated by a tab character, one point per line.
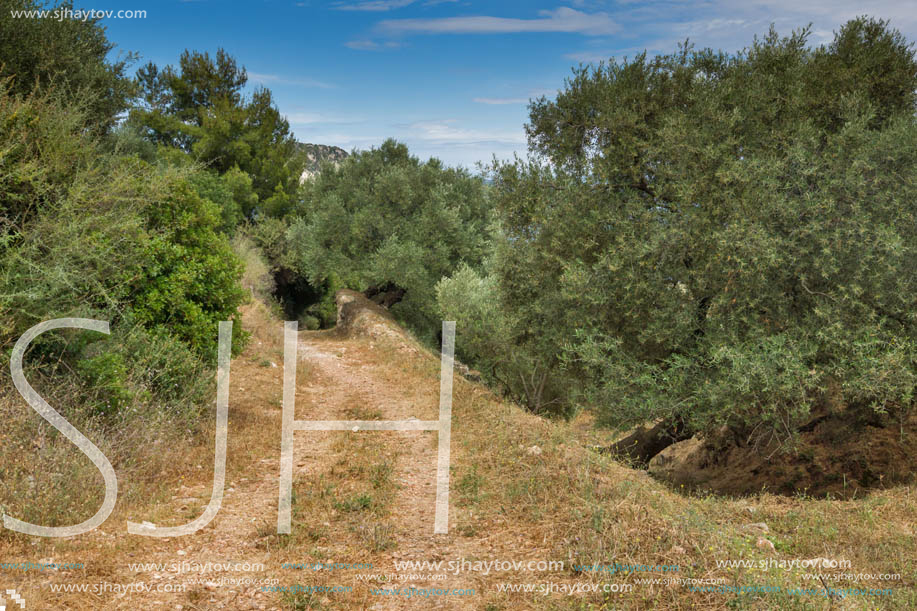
383	221
489	336
106	375
473	303
68	56
231	191
93	234
189	281
135	372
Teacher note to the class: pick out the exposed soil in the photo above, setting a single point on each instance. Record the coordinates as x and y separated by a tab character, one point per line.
522	489
366	369
837	454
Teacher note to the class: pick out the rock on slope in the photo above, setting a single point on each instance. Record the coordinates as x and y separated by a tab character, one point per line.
316	154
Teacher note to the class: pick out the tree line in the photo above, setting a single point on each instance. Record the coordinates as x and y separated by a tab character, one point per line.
721	242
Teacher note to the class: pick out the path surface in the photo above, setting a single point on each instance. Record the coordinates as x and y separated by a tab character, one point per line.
522	489
358	378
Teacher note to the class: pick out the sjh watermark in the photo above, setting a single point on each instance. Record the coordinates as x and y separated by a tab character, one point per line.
443	425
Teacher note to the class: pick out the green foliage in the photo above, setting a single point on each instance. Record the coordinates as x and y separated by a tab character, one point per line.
126	140
43	144
133	370
163	367
383	220
190	279
257	277
106	374
68	243
709	238
231	191
204	82
199	108
473	303
89	232
270	236
323	313
868	60
490	337
67	55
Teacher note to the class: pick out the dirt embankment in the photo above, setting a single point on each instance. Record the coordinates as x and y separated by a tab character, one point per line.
839	454
524	490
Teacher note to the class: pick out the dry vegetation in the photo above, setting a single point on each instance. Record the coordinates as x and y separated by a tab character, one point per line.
368	498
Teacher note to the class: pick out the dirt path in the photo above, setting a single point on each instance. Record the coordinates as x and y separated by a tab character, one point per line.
522	489
358	378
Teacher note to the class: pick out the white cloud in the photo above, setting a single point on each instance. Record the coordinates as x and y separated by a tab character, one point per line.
371	45
730	25
501	101
362	45
563	19
381	6
516	99
374	5
269	79
589	57
445	131
445	139
320	118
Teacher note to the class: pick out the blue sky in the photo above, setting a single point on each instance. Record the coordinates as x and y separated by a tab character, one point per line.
451	78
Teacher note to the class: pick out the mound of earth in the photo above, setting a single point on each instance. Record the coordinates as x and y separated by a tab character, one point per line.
360	316
837	454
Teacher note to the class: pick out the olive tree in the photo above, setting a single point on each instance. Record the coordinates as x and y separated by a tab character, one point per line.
724	242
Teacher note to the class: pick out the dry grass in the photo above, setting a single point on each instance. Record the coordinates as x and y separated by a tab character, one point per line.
589	509
569	502
50	482
353	498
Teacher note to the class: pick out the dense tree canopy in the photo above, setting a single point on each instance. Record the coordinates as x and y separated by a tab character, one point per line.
86	232
69	55
385	221
200	108
721	241
725	240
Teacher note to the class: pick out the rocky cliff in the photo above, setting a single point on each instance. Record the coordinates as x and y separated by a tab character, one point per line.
316	154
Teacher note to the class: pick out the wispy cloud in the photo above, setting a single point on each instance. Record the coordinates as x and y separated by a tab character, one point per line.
500	101
445	139
589	57
371	45
447	131
725	24
274	79
457	144
516	99
381	6
373	5
321	118
563	19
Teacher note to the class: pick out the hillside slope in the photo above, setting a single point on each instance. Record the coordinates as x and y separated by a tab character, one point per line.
316	154
524	490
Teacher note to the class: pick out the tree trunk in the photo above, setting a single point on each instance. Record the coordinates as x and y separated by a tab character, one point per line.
645	442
